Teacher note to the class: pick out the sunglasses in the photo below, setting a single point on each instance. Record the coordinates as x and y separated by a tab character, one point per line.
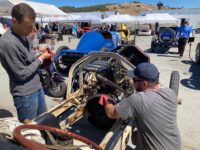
137	80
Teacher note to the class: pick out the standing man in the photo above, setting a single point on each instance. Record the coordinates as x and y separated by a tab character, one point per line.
153	108
17	59
183	35
74	30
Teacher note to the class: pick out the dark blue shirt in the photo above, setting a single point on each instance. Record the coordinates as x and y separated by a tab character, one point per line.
184	31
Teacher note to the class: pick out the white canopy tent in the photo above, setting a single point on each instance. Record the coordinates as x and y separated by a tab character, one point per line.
44	10
158	17
6	6
68	18
41	9
120	18
72	18
88	18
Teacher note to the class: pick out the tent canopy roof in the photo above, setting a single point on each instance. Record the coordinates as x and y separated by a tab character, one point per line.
41	9
119	18
88	18
158	17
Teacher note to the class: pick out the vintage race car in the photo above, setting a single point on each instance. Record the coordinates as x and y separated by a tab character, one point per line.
165	38
90	42
80	122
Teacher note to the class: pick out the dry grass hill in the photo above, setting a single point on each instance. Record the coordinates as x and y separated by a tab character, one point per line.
131	8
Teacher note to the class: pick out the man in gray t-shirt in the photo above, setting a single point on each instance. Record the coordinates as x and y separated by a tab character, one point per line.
153	108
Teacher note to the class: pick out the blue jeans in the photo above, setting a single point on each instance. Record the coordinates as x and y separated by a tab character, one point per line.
30	106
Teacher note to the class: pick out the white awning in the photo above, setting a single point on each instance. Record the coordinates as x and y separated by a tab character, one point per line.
119	19
67	18
158	17
88	18
41	9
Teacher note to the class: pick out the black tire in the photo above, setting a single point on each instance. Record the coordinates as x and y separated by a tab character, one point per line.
197	54
57	88
97	113
61	49
167	30
60	66
174	81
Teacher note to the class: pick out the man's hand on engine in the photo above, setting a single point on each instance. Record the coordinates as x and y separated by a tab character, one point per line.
109	105
104	100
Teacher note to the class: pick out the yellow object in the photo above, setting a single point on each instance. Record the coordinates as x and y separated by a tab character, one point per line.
123	27
124	32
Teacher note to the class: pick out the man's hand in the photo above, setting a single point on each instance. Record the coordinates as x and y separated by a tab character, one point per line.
45	55
104	100
109	106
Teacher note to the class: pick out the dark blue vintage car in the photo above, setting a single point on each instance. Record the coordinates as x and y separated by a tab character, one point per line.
90	42
165	38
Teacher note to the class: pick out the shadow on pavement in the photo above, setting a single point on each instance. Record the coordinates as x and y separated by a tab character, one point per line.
194	81
187	62
158	50
167	55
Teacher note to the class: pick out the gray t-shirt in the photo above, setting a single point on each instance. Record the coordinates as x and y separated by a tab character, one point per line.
155	112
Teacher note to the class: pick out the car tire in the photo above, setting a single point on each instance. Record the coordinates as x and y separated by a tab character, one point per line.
59	65
57	88
197	54
174	81
169	30
61	48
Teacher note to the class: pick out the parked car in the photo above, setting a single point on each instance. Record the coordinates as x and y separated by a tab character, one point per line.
89	42
165	38
69	124
144	29
81	114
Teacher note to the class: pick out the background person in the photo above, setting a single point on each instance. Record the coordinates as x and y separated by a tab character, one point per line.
184	32
21	65
154	110
74	30
55	27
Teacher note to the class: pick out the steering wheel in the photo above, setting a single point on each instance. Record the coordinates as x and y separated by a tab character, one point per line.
38	146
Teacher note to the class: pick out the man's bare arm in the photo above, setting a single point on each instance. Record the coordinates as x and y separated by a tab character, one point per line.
111	111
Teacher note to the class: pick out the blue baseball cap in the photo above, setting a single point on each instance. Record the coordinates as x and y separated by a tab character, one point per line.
145	71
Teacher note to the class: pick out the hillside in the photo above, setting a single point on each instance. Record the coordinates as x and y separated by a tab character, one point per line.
131	8
69	9
124	8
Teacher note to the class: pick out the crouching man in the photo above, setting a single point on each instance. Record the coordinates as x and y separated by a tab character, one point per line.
154	110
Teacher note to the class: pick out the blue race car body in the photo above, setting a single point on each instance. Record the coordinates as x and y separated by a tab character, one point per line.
90	42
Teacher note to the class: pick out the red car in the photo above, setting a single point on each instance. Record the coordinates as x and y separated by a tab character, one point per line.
83	30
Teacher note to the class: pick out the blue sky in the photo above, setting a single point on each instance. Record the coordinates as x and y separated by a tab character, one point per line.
81	3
